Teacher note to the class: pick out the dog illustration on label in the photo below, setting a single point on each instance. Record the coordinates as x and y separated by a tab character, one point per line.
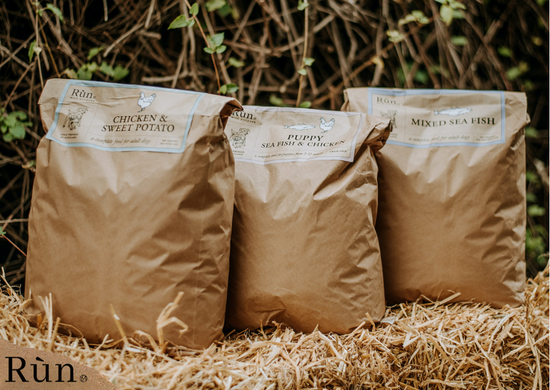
238	138
453	111
145	102
301	126
326	126
391	114
74	118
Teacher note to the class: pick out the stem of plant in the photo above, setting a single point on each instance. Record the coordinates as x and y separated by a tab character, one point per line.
304	54
207	45
16	247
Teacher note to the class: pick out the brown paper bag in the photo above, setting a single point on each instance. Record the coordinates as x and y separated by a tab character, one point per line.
132	204
304	251
452	193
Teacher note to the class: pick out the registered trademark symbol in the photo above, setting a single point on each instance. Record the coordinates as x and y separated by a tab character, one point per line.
83	378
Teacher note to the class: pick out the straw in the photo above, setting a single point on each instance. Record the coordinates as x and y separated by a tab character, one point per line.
432	345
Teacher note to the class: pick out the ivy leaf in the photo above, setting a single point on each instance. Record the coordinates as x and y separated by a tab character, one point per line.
536	211
394	36
194	10
120	72
446	13
305	105
377	61
32	50
517	71
92	66
457	14
223	89
456	4
18	131
107	69
421	76
504	51
459	40
407	19
531	198
213	5
276	101
217	39
70	73
309	61
235	62
208	50
8	137
227	10
302	5
221	49
179	22
531	132
93	52
84	74
302	71
20	115
420	17
55	10
232	88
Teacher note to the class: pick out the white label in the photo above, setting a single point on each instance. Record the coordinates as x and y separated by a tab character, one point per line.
424	117
118	117
269	135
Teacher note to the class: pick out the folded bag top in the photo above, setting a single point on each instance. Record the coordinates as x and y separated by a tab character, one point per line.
452	207
304	251
132	205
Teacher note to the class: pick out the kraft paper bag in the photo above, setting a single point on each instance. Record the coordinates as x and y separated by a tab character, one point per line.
452	210
304	251
132	204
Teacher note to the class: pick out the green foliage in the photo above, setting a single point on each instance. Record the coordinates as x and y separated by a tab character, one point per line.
33	49
449	10
394	36
86	71
228	88
531	132
421	75
194	10
414	16
215	44
302	5
535	245
13	125
214	5
232	61
535	210
306	62
277	101
2	232
305	105
459	40
516	71
55	10
180	22
504	51
93	52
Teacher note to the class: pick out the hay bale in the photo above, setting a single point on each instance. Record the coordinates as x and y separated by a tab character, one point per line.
430	345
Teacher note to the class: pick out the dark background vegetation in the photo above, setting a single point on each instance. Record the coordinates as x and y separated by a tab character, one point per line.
488	45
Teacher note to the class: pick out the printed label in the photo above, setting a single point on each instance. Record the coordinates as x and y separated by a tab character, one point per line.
117	117
440	118
269	135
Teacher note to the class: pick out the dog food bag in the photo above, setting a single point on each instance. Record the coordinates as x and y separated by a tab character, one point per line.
132	204
451	220
304	251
